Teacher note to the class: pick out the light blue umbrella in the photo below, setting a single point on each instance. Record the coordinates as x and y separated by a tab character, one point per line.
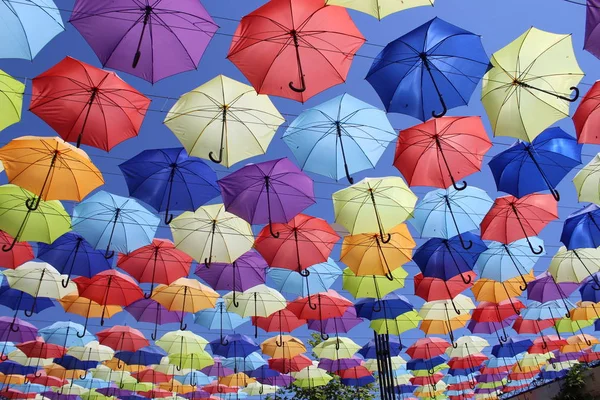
29	387
501	262
66	334
457	379
92	383
219	318
233	396
321	278
339	137
27	26
445	213
499	362
113	222
195	378
549	310
5	348
249	363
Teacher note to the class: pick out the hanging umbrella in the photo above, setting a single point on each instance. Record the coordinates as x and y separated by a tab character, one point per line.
526	168
428	348
581	230
17	255
379	8
336	348
158	262
511	219
495	292
44	224
429	70
28	27
301	56
280	321
545	288
588	289
311	377
149	40
113	222
430	289
287	365
222	112
284	346
320	306
182	342
586	116
587	181
145	356
148	310
322	276
448	213
441	142
212	234
336	325
11	100
219	318
84	104
65	334
168	179
248	364
575	265
71	254
355	132
122	338
528	88
75	304
92	351
17	300
398	325
374	286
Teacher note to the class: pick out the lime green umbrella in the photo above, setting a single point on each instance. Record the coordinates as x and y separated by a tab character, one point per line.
135	386
311	377
529	87
374	205
336	348
567	325
11	100
427	372
224	120
574	265
373	286
400	324
380	8
93	395
182	342
587	182
44	224
196	360
492	385
70	389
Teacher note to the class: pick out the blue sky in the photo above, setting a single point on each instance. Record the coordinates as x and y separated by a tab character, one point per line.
498	23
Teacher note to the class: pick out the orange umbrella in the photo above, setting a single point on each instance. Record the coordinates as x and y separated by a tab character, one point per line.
236	380
74	304
496	292
437	327
283	346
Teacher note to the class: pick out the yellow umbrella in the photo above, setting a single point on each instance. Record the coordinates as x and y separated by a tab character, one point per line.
92	351
224	120
197	360
380	8
239	379
528	88
398	325
311	377
574	265
447	309
285	346
11	100
336	348
397	363
587	182
11	379
117	365
368	254
532	360
373	286
50	168
182	342
495	292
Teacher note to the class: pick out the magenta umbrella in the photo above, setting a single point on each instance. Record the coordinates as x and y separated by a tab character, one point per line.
267	192
148	310
151	39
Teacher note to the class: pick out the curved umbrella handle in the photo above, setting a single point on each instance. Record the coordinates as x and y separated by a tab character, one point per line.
302	87
576	94
8	247
279	343
386	239
444	109
216	160
459	188
311	305
168	218
13	327
456	310
108	255
64	283
274	234
119	365
377	306
33	203
153	335
224	342
466	282
324	336
182	325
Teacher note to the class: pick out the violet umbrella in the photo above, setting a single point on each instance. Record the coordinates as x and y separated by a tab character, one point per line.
336	325
148	310
245	272
545	288
340	364
151	39
217	369
15	330
267	192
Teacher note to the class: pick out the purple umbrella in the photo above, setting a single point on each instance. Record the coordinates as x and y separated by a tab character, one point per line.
114	392
151	39
486	378
217	369
562	357
489	327
267	192
340	364
13	329
57	396
246	272
280	381
148	310
592	20
544	288
198	394
337	325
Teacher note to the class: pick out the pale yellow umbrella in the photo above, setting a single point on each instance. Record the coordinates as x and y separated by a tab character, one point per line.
224	120
336	348
574	265
529	87
587	181
92	351
397	363
380	8
258	301
181	342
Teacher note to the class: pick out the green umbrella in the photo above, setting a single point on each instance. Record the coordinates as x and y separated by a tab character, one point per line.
311	377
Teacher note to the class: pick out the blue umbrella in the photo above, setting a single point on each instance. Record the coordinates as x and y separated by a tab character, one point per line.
6	347
11	367
29	387
195	378
581	229
425	364
369	350
462	372
406	389
339	137
434	67
70	254
27	26
145	356
263	372
66	334
457	379
70	362
499	362
249	363
114	222
92	383
548	310
219	318
501	262
526	168
357	382
169	179
235	345
389	307
17	300
446	258
589	289
445	213
322	276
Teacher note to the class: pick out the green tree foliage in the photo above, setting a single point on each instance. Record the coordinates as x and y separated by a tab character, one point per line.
573	386
333	390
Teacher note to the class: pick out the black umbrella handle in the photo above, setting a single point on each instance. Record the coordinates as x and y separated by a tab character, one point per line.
302	87
149	295
596	285
540	249
168	216
465	281
268	194
338	127
554	192
462	241
423	57
384	238
208	261
138	53
9	247
223	130
438	144
109	254
388	274
90	103
569	99
182	325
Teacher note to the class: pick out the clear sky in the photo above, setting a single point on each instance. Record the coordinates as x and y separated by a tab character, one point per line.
498	23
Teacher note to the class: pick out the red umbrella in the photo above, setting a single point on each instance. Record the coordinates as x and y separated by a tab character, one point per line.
302	242
215	387
354	372
441	151
427	380
320	306
17	255
280	321
88	105
152	376
462	385
532	326
432	289
519	376
587	116
8	393
545	344
497	370
122	338
109	287
287	365
512	219
295	48
46	380
473	360
156	393
426	348
496	312
38	348
158	262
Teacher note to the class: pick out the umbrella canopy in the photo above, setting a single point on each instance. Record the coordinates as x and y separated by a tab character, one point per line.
92	351
355	132
182	342
580	230
528	88
28	27
374	285
587	181
379	8
258	301
586	116
11	100
17	255
416	74
575	265
311	377
148	310
318	56
545	288
122	338
430	289
66	334
501	262
322	276
148	40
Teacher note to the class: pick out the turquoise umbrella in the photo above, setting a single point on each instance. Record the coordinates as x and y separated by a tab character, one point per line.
249	363
339	137
66	334
321	278
27	26
219	318
195	378
113	222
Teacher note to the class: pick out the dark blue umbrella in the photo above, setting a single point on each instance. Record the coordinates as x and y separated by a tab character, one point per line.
429	70
71	254
551	375
597	325
389	307
425	364
145	356
406	389
589	288
169	179
17	300
526	168
369	351
357	382
263	372
70	362
446	258
462	372
117	392
10	367
514	346
235	345
582	229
